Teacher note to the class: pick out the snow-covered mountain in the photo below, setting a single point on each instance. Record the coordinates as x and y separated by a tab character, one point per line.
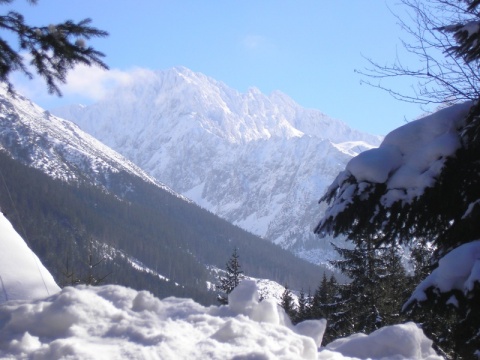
58	147
261	162
105	201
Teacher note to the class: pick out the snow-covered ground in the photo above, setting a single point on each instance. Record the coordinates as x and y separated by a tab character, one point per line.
40	321
114	322
267	289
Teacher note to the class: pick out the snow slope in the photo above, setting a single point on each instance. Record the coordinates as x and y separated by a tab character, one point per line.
261	162
22	275
58	147
113	322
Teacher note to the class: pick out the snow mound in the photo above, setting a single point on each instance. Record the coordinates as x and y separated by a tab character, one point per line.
405	341
113	322
22	275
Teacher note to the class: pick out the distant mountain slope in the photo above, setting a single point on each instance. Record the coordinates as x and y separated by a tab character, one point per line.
58	147
72	196
261	162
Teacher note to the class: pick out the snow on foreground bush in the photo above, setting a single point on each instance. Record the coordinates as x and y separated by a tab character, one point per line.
114	322
407	162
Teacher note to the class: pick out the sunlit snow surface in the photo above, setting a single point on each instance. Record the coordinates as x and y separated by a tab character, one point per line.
114	322
410	157
22	275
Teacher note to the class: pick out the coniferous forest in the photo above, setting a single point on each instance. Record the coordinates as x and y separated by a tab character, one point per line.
63	222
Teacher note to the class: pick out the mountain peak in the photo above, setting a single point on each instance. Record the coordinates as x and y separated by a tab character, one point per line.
181	100
259	161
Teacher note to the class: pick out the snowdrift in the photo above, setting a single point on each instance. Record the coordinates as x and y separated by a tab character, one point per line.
114	322
22	275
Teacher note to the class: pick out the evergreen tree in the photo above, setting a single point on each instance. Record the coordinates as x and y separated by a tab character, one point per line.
232	278
396	286
333	330
53	49
325	305
420	260
322	300
446	212
467	46
362	296
375	295
288	304
92	277
303	308
325	297
316	303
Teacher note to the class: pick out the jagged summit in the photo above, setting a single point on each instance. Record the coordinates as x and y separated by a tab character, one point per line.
186	101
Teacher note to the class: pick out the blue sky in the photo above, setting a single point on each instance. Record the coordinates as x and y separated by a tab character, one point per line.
306	49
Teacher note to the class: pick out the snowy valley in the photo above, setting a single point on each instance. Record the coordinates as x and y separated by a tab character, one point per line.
66	190
69	170
172	216
90	197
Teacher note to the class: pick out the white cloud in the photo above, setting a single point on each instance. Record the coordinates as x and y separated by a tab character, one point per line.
93	82
83	83
255	42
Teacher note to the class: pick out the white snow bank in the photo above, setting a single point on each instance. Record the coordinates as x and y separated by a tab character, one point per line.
405	341
114	322
22	275
411	156
458	270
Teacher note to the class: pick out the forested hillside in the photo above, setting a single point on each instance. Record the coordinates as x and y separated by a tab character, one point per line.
171	237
